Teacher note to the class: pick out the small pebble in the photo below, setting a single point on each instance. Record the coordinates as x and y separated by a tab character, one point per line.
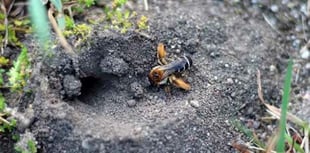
296	43
272	68
194	103
256	124
212	54
190	79
131	103
230	81
307	66
137	89
305	53
274	8
90	144
233	94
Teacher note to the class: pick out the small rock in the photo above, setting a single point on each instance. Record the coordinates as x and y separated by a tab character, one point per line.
230	81
305	53
115	66
90	144
137	89
131	103
190	79
155	97
194	103
274	8
308	66
256	124
72	86
214	54
272	68
233	94
296	43
249	110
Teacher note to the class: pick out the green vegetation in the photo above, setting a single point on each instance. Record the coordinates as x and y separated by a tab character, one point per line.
31	148
17	77
121	19
142	23
283	139
15	80
5	125
248	133
87	3
81	30
18	26
284	107
20	72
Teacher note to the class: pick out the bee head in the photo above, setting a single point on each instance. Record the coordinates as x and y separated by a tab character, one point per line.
155	76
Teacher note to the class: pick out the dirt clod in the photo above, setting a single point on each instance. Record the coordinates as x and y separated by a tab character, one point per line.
114	65
72	85
137	90
131	103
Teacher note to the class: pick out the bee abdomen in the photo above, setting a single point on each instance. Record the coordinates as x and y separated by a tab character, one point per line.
185	63
189	62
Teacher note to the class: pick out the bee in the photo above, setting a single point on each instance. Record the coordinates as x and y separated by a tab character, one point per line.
167	73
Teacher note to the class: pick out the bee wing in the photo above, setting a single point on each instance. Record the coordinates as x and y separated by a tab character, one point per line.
167	70
178	82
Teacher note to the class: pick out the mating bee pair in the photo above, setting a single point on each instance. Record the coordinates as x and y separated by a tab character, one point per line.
169	73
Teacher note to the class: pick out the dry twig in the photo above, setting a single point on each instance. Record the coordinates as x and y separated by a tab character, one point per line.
62	39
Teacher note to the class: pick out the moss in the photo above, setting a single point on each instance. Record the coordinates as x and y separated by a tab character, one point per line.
143	23
82	31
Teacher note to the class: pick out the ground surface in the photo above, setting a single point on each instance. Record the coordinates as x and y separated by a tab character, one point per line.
118	111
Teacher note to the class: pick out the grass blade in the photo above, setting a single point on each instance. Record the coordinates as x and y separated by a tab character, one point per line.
38	15
284	107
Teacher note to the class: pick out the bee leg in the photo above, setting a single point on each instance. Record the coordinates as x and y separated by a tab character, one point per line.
168	91
158	88
161	54
178	82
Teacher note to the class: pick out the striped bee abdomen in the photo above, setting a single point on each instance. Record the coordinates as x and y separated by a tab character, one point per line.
182	64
